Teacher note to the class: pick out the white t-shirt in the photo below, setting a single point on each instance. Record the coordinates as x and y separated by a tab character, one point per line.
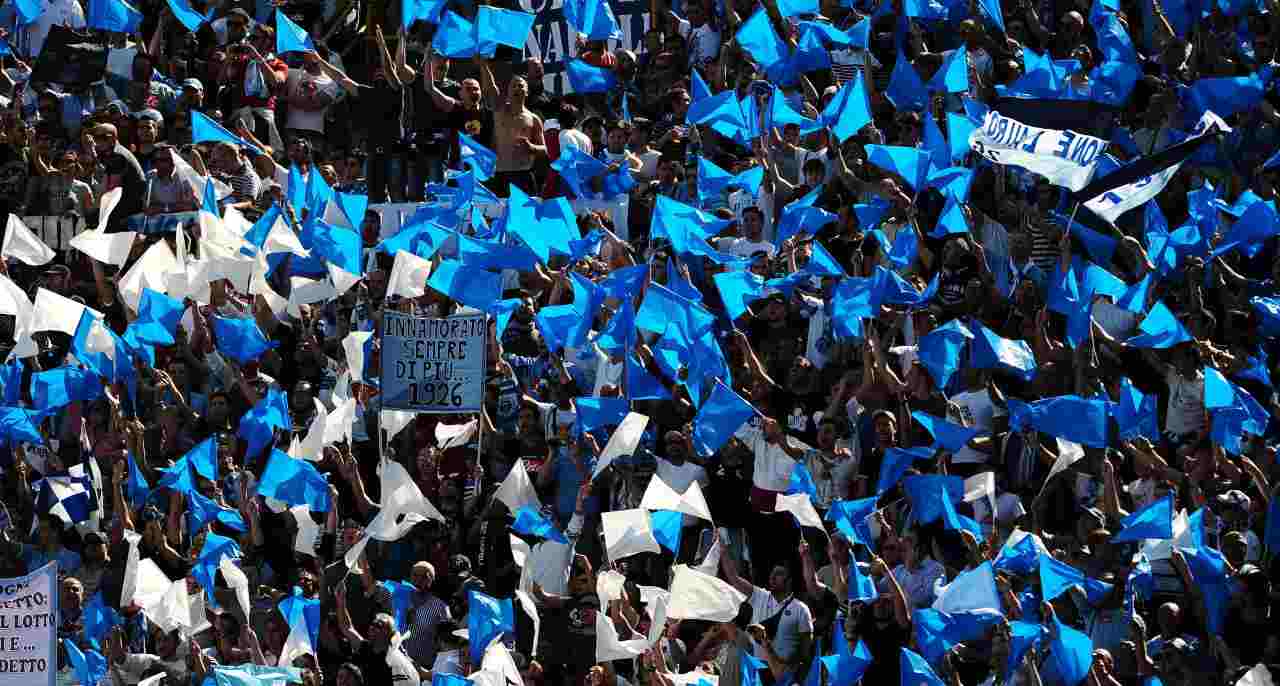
577	139
745	247
796	620
975	411
740	200
1186	403
704	42
308	120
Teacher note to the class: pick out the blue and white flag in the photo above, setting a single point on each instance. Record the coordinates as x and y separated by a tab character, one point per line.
1065	158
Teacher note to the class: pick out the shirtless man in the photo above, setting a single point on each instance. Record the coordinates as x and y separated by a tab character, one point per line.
517	133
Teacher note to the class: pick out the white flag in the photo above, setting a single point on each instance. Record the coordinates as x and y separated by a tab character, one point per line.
21	244
108	248
627	532
695	595
624	441
408	275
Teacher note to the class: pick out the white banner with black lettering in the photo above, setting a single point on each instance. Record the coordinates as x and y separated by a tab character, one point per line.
1065	158
29	628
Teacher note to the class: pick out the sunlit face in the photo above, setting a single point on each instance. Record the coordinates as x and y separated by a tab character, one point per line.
470	92
518	89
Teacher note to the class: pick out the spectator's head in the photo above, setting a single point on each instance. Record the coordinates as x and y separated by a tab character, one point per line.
105	138
779	580
653	41
791	133
349	675
423	576
470	93
237	25
534	71
668	170
226	158
803	377
680	101
95	547
885	426
192	94
219	408
49	107
300	150
619	134
48	530
815	170
264	39
1071	25
147	129
517	90
674	444
72	594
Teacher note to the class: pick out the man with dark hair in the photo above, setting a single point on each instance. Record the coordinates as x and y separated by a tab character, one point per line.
123	171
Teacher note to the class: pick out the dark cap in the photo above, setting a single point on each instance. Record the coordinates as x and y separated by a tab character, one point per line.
459	564
94	538
238	12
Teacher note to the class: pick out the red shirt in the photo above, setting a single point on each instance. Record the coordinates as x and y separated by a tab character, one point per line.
240	66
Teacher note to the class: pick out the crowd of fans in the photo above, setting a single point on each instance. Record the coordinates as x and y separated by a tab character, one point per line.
177	445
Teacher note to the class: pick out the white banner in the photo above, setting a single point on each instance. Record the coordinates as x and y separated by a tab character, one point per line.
29	628
433	365
1065	158
1115	202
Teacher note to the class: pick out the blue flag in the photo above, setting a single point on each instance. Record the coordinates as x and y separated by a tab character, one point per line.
487	619
1135	413
481	160
1159	329
895	463
496	26
757	36
738	290
89	665
472	287
906	90
136	487
455	37
295	482
952	220
1056	577
950	437
258	425
1070	654
993	13
189	18
531	522
240	338
1153	521
586	78
849	111
206	130
912	164
916	671
117	16
990	351
291	38
577	168
953	75
719	419
202	511
28	11
940	351
594	18
850	518
1065	416
62	386
927	493
429	11
1021	558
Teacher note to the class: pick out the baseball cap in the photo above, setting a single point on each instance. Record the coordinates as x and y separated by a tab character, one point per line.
193	84
1234	500
459	564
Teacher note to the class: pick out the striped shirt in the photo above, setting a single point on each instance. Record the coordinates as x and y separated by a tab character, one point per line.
245	183
425	615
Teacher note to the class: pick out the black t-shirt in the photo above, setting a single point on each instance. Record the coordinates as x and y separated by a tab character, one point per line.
430	122
799	413
373	664
380	107
120	162
475	123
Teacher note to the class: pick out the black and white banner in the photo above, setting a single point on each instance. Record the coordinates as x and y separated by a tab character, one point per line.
1065	158
1136	183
